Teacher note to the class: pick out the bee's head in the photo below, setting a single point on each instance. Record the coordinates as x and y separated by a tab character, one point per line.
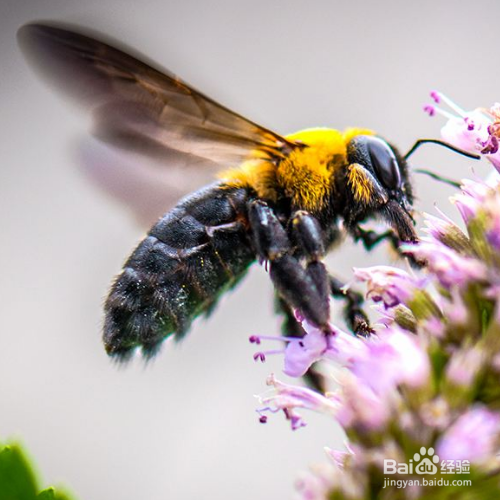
378	185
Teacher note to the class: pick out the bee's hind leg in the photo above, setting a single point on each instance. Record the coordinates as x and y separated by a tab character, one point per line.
299	287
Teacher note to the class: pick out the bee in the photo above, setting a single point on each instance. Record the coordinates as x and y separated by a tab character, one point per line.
280	199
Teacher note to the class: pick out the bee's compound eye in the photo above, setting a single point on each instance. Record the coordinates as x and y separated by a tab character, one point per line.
384	162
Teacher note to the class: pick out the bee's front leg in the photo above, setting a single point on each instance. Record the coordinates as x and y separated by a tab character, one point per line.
296	285
370	239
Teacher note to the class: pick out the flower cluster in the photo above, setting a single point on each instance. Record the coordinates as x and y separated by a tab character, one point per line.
427	383
476	131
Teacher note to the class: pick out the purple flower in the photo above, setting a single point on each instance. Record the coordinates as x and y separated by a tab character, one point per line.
467	206
493	232
468	132
476	131
338	457
427	378
394	355
435	326
449	267
435	413
361	408
301	353
396	358
318	484
471	198
474	436
388	285
477	189
454	309
464	366
288	398
445	231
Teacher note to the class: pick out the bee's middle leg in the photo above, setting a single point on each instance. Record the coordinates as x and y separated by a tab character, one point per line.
309	239
295	284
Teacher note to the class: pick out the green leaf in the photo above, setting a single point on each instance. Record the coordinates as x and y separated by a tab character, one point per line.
52	494
18	479
48	494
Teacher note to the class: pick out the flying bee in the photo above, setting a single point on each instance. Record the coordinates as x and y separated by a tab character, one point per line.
283	200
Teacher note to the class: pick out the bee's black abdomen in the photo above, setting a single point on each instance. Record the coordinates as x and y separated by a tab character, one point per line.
191	255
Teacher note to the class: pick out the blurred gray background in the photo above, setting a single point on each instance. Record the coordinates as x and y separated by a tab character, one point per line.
184	427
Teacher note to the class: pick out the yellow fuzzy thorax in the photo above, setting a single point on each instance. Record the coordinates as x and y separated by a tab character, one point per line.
305	175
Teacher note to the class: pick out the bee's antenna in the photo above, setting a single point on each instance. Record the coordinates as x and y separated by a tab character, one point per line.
447	145
437	177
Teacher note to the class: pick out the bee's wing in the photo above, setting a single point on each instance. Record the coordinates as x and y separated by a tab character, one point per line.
140	107
138	184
